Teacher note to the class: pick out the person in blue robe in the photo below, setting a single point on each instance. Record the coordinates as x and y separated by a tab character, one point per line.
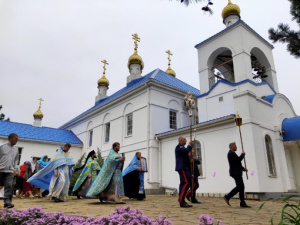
88	174
55	176
133	178
109	183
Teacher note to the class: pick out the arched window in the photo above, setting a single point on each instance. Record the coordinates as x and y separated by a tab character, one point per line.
199	156
270	156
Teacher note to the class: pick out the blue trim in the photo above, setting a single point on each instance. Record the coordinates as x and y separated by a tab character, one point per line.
269	98
228	28
235	84
291	129
156	75
171	131
27	131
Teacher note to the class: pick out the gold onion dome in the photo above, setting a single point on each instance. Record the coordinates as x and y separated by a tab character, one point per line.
38	114
103	82
170	72
135	59
230	10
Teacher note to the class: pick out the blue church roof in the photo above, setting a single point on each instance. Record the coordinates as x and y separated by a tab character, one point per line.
156	75
228	28
27	131
291	129
238	83
269	98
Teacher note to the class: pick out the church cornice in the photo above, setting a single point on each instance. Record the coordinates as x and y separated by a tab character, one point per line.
200	126
235	25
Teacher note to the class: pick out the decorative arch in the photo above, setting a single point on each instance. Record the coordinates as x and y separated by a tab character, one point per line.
128	109
173	104
270	155
106	118
89	125
220	66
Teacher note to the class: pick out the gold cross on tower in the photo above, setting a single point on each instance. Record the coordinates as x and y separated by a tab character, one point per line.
136	39
104	64
169	53
40	101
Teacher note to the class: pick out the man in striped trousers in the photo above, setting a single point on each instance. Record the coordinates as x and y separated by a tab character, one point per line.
182	167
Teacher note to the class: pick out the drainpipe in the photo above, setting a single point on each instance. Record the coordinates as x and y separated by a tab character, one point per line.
159	160
148	131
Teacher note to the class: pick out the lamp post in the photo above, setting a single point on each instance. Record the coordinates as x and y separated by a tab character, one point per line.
238	121
191	103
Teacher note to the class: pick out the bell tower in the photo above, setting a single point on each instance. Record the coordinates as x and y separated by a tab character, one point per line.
235	54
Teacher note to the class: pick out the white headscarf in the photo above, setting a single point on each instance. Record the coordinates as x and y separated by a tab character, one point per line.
33	165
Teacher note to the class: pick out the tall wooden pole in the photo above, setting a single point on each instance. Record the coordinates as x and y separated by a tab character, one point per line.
238	121
190	102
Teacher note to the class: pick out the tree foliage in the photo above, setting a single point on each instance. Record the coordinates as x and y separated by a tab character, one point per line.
285	35
2	115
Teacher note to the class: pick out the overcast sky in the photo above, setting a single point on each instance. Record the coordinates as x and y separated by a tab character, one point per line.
53	48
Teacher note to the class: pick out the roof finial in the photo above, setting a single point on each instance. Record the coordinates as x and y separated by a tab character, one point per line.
40	99
136	39
169	70
103	81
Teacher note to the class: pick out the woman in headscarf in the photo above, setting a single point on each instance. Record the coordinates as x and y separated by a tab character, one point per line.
41	164
27	187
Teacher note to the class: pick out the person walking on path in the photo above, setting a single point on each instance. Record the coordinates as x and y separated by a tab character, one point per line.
9	157
236	172
182	167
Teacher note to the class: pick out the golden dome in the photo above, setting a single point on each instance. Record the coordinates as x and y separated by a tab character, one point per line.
38	114
135	59
171	72
231	9
103	82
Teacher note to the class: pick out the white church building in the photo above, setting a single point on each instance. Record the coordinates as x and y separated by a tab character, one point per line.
237	75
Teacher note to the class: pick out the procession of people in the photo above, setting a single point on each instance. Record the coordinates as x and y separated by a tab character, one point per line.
110	183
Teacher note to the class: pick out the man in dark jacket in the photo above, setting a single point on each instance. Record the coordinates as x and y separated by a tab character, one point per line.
182	167
189	196
236	172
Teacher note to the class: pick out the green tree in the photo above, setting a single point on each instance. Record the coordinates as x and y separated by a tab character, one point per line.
285	35
2	115
205	8
99	159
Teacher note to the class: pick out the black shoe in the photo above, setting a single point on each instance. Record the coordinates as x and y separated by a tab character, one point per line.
9	206
78	196
185	205
195	201
57	200
226	200
244	205
188	198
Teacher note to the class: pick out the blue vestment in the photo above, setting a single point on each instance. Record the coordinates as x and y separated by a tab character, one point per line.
43	177
109	180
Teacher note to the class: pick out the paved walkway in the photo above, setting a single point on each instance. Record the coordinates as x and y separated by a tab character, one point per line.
164	205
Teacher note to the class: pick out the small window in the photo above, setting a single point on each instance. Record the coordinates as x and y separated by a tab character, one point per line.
221	99
270	156
199	156
20	154
173	119
90	138
129	124
107	131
